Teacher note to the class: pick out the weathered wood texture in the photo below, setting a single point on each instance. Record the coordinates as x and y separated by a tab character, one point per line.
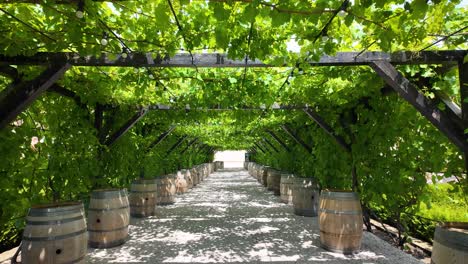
17	98
220	60
410	93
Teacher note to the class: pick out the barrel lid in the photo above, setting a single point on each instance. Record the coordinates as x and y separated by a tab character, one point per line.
42	209
108	193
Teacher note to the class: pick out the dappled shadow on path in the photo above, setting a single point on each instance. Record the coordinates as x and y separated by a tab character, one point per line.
230	218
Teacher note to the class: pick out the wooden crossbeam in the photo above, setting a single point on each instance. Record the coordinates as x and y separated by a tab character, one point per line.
296	138
17	98
216	60
126	127
189	145
411	94
177	144
271	145
273	135
327	128
160	138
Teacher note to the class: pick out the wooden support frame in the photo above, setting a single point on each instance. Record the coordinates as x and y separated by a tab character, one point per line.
260	148
410	93
216	60
463	78
273	135
126	127
327	128
17	98
177	144
271	145
160	138
296	138
189	145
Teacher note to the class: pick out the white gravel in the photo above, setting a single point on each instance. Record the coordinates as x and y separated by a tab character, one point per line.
231	218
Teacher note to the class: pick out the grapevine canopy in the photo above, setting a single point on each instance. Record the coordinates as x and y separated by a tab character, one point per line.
285	34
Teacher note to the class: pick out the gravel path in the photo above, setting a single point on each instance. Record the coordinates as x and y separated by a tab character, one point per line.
231	218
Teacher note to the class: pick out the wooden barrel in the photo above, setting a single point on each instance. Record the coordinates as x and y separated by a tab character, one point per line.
143	197
263	173
450	244
55	233
273	181
166	189
305	196
340	221
194	174
108	218
181	183
188	177
286	185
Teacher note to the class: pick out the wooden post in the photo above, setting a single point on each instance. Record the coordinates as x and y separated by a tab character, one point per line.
463	77
271	145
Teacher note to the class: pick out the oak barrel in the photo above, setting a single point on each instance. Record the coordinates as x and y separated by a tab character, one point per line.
143	197
166	189
305	196
287	180
194	174
273	181
181	183
188	177
55	233
263	174
340	221
450	244
108	218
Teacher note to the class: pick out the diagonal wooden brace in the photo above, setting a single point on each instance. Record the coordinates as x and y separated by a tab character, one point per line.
178	143
273	135
126	127
327	128
17	98
160	138
411	94
296	138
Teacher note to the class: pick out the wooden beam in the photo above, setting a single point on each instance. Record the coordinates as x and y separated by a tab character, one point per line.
463	79
178	143
296	138
160	138
126	127
410	93
327	128
162	107
189	145
217	60
17	98
271	145
10	72
258	146
273	135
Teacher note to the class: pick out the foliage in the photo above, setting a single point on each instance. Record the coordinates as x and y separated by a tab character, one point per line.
55	150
